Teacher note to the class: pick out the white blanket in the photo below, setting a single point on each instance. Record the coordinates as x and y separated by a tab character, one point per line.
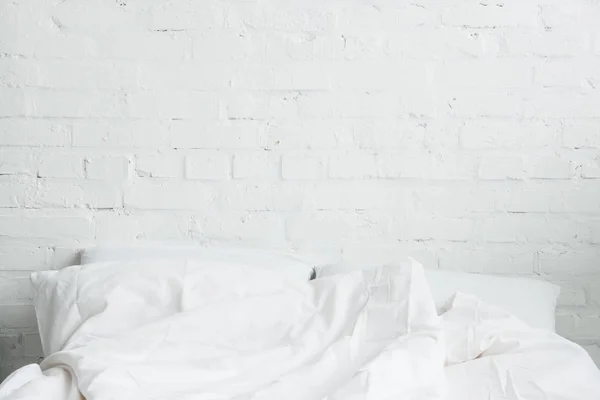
233	333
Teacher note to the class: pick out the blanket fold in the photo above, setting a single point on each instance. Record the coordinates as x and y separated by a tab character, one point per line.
192	331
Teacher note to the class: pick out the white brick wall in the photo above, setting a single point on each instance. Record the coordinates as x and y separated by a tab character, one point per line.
466	134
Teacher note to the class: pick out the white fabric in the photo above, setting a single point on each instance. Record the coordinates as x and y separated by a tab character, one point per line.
252	257
191	330
492	355
531	300
186	330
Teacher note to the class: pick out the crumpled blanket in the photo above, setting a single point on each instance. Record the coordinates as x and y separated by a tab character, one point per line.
231	333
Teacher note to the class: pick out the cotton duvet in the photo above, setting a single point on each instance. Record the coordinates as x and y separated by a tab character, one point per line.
192	331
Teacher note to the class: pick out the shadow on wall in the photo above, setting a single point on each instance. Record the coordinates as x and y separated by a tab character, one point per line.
18	349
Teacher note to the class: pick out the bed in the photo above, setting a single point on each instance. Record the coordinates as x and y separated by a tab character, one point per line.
212	326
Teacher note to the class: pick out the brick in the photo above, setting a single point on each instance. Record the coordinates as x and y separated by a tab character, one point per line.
551	167
362	46
253	76
302	165
18	316
426	165
327	105
394	133
229	46
161	165
56	46
549	43
288	17
32	345
501	167
61	166
74	104
301	76
18	73
308	134
14	190
67	255
15	287
106	75
571	294
259	106
184	15
429	43
256	165
34	133
262	195
61	193
563	16
577	199
120	133
214	135
378	75
118	227
489	133
33	19
153	46
569	261
337	226
185	76
581	133
167	195
357	255
262	227
595	229
347	194
45	225
171	104
587	325
552	102
352	165
13	102
592	290
474	104
94	18
304	46
414	228
500	259
388	16
484	74
565	323
17	162
579	73
208	164
108	167
485	15
452	199
530	228
16	256
527	198
591	169
440	133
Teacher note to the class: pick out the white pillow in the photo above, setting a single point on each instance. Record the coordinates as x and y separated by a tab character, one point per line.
264	258
147	288
532	301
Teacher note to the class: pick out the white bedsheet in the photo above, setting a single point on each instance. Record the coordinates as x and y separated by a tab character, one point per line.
369	335
492	355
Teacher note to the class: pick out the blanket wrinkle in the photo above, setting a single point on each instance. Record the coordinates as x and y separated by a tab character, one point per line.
249	334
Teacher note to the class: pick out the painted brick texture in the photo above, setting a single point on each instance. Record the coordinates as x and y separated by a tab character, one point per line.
465	134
